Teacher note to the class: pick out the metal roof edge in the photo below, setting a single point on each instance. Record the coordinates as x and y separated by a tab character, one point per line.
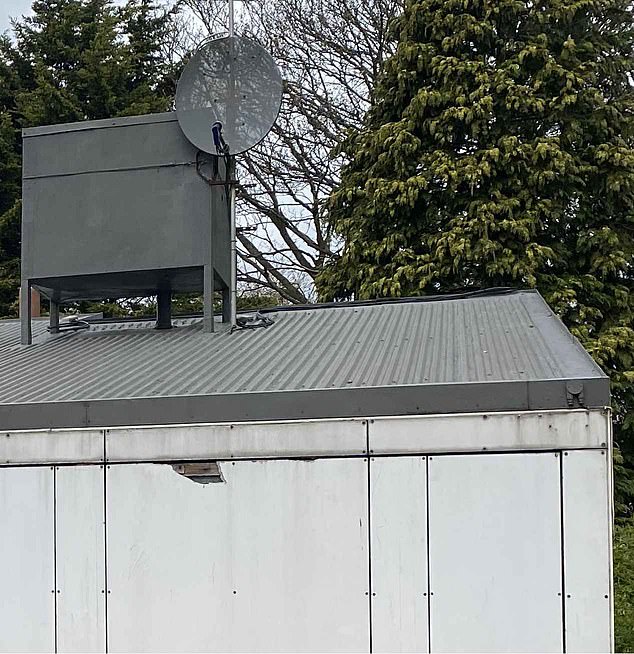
305	404
83	125
558	336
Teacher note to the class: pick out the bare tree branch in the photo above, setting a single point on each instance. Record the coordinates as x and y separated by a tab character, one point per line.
329	53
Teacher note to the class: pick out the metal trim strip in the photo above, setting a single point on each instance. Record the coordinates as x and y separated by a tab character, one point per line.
302	404
85	125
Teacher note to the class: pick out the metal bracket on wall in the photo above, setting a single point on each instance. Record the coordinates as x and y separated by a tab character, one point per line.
223	182
574	394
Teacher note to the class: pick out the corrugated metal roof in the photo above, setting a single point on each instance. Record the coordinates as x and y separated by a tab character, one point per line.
480	340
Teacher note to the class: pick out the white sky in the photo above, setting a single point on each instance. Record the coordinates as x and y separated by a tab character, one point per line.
13	9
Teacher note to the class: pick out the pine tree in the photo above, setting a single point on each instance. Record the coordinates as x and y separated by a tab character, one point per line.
498	150
11	66
90	59
72	60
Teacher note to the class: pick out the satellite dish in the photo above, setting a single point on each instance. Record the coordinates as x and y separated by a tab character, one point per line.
228	95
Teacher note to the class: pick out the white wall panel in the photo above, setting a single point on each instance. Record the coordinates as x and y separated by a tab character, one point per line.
274	559
587	551
27	560
243	440
398	524
52	446
495	553
80	554
478	432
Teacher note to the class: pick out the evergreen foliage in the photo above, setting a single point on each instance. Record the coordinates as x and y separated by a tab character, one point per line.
624	588
498	151
71	60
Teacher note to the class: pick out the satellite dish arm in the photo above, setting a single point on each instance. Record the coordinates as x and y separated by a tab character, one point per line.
219	142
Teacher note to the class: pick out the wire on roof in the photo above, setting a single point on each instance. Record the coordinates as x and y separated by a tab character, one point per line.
462	295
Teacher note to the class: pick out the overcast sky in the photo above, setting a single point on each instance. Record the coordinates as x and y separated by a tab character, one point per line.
13	9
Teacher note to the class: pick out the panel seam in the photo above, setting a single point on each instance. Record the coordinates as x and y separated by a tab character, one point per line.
297	457
427	487
55	589
369	490
563	552
105	542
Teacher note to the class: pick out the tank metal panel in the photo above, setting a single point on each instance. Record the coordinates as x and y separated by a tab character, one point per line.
106	145
119	196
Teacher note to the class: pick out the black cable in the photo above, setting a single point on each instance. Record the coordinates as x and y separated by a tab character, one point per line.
73	325
462	295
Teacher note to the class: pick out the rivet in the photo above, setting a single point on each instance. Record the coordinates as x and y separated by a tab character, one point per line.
367	593
565	453
568	596
606	597
373	594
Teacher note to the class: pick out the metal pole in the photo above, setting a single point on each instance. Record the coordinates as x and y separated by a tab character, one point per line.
209	270
53	320
234	249
164	308
25	312
231	173
230	17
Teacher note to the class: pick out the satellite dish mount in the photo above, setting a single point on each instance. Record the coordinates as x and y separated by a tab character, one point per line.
227	100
